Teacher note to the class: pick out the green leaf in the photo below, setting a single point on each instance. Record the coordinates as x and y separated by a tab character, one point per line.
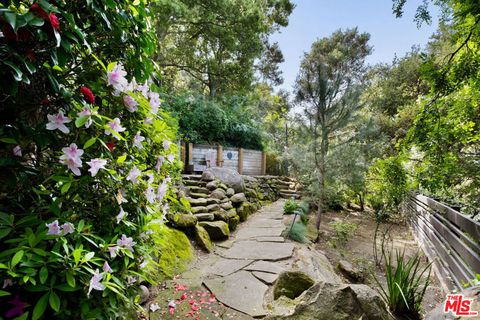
88	256
89	143
40	307
43	274
80	226
37	22
99	62
53	82
122	158
70	279
4	293
11	18
4	232
9	140
17	257
54	301
65	187
80	121
18	73
111	65
66	288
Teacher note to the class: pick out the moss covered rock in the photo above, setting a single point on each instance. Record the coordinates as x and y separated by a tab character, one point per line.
233	222
217	230
203	239
244	210
175	248
182	220
291	284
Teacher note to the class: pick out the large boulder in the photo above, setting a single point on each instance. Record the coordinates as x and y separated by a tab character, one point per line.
227	176
333	302
291	284
217	230
203	239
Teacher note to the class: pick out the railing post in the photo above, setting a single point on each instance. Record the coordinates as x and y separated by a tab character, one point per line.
183	153
264	163
240	160
219	155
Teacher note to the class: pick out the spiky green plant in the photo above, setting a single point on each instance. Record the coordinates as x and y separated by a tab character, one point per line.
406	285
290	206
297	232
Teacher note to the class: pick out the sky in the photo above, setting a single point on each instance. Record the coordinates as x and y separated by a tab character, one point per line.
314	19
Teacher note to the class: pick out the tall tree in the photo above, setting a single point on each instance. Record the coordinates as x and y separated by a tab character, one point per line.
220	44
328	87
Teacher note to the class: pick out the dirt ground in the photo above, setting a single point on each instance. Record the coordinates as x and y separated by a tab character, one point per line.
358	250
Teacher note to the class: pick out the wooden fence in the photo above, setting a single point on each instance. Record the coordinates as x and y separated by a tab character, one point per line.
450	239
198	157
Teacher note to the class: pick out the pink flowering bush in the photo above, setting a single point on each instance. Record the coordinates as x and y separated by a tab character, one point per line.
87	160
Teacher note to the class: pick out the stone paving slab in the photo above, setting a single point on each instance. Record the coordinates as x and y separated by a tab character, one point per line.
269	239
265	266
268	278
266	223
254	250
240	291
252	232
224	267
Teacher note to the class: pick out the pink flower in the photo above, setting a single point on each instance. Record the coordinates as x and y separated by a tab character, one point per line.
144	88
7	283
137	140
171	157
54	21
154	307
86	113
162	191
122	214
132	86
130	103
113	251
160	160
54	229
106	267
131	280
133	175
96	165
150	195
115	126
154	102
72	158
57	121
148	120
17	151
67	228
116	78
126	242
95	282
166	144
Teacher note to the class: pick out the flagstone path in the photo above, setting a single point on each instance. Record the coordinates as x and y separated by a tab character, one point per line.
242	269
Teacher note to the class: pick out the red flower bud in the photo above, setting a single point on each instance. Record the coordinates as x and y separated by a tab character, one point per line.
54	21
87	94
31	55
39	11
111	146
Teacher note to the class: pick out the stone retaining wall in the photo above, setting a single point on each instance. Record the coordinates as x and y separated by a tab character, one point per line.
220	199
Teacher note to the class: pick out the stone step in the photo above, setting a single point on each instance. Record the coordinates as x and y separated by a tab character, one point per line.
289	196
197	183
289	191
196	195
197	202
205	216
196	189
192	177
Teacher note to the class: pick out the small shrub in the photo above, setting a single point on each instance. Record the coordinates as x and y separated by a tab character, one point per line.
343	232
304	207
297	232
290	206
405	284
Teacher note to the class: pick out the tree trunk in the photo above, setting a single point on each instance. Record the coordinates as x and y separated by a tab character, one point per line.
322	169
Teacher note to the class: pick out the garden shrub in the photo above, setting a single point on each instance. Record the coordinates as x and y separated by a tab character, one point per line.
406	283
290	206
297	232
87	160
343	231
